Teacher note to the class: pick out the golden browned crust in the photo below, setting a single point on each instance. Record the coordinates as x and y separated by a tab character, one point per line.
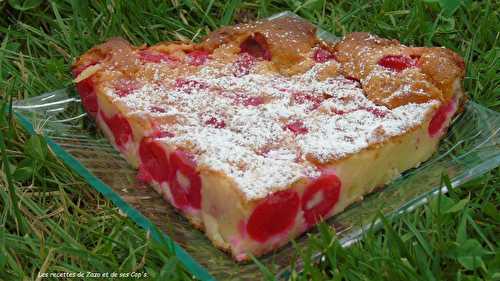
431	77
289	39
289	42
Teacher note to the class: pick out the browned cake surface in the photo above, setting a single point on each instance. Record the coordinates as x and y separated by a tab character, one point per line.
287	43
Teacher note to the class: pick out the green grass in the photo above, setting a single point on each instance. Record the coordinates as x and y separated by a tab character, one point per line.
52	221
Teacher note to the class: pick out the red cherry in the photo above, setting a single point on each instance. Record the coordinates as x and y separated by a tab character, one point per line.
216	123
297	127
256	46
320	197
301	98
253	101
154	160
157	109
143	175
198	57
119	126
243	64
155	57
397	62
322	55
85	89
439	118
158	134
274	215
185	192
375	111
338	111
189	86
126	87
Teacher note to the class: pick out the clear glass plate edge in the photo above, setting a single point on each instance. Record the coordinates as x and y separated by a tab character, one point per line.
191	264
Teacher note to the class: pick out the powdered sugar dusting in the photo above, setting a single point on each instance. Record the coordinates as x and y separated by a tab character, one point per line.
338	136
240	124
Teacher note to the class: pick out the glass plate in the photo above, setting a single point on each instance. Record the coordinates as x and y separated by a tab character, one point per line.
471	148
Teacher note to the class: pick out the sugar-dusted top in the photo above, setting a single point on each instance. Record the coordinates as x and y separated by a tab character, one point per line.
263	130
268	103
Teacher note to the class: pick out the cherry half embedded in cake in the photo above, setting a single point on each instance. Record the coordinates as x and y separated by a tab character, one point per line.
320	197
256	46
441	117
154	162
198	57
262	130
120	128
185	182
397	62
87	93
322	55
274	215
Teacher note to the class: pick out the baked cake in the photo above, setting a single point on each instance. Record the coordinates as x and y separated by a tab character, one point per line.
262	130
